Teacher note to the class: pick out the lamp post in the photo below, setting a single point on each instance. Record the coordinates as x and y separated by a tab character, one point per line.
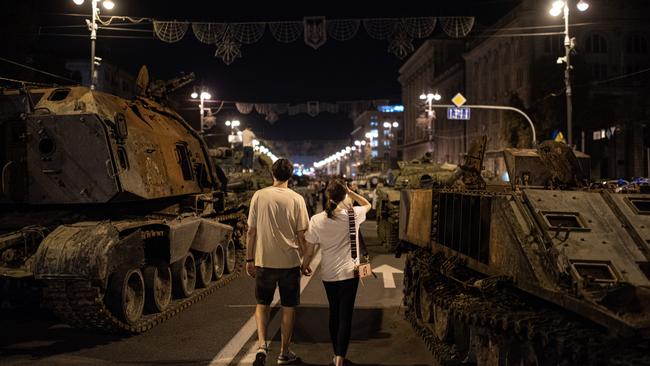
92	27
562	7
203	96
232	124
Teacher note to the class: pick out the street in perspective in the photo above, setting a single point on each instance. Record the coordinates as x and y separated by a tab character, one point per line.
398	184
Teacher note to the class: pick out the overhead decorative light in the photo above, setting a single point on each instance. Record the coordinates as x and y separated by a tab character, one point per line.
194	95
395	124
387	124
108	4
555	11
437	96
423	96
78	2
206	95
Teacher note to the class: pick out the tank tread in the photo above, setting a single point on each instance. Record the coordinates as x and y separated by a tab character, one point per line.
80	303
502	313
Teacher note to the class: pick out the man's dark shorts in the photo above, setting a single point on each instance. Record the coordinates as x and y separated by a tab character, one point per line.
288	279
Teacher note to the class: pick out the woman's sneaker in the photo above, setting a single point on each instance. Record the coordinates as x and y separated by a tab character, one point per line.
260	356
288	358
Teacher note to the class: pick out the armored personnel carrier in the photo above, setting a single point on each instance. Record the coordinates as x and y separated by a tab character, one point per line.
419	173
544	271
112	206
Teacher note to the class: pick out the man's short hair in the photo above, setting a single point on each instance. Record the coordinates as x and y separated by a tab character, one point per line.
282	170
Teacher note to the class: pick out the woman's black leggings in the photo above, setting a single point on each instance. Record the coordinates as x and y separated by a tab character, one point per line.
341	295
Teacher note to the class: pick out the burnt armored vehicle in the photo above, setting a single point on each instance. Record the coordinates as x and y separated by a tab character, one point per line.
544	271
418	173
112	206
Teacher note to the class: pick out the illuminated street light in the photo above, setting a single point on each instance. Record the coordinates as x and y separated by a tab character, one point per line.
357	143
437	97
204	95
387	125
363	143
395	124
228	123
92	27
562	7
583	5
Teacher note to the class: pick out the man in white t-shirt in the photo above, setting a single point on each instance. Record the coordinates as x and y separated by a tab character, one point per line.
277	221
247	139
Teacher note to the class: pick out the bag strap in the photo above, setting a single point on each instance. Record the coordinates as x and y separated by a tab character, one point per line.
353	234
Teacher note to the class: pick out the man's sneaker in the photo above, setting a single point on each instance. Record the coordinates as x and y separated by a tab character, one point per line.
288	359
260	356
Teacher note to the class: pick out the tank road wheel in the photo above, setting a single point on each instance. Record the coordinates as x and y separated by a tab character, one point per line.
231	256
126	295
184	276
158	287
218	262
204	269
442	322
424	302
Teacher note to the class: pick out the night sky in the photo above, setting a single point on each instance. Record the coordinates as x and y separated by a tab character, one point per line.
269	71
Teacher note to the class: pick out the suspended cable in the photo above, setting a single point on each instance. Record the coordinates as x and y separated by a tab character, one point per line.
25	82
624	76
37	70
98	36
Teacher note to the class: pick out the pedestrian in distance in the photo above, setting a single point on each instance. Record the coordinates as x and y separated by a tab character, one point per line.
277	221
330	230
247	140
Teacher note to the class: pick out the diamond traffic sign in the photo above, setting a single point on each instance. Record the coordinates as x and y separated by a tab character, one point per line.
458	100
458	113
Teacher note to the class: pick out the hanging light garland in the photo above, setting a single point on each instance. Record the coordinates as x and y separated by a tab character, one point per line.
229	37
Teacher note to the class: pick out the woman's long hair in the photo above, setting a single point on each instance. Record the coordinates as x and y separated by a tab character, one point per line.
335	193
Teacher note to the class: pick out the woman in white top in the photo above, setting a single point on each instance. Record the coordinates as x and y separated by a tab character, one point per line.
330	230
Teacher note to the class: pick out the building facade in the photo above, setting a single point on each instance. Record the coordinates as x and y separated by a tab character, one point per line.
417	76
514	63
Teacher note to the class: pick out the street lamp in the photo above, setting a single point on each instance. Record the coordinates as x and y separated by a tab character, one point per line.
92	27
429	98
562	7
203	96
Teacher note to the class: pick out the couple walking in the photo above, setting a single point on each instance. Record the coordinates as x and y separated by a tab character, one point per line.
280	247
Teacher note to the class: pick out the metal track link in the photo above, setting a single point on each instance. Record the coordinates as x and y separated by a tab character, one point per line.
507	317
81	303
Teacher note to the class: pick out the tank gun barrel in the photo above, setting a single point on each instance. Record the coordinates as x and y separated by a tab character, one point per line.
161	88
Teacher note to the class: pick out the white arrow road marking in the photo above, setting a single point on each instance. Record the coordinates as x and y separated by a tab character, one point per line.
387	273
229	352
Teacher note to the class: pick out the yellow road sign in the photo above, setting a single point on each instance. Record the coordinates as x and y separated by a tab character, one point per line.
458	100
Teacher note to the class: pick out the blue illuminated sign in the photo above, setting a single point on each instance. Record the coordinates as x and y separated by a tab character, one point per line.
391	108
462	113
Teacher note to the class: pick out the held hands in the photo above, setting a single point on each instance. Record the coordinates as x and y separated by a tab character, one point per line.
250	269
305	270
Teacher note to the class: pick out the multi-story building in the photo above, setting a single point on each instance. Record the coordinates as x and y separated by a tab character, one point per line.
381	129
417	76
513	63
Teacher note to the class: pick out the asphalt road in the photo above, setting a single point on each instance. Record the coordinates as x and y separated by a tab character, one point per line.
218	330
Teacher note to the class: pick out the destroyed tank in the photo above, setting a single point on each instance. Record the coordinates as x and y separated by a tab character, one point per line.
241	185
543	271
418	173
111	206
